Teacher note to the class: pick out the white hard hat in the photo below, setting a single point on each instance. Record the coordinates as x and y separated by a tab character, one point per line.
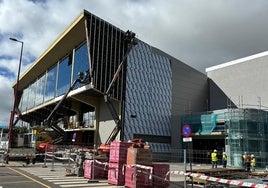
223	153
215	150
252	155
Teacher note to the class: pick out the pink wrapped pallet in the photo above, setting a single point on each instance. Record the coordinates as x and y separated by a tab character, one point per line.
95	169
138	176
159	175
116	174
139	156
118	152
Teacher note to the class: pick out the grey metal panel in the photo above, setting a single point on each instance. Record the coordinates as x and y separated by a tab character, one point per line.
189	94
189	89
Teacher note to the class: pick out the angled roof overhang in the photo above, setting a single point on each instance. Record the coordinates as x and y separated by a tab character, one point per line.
74	35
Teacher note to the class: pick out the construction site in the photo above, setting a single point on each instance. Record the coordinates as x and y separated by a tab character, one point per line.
233	130
113	108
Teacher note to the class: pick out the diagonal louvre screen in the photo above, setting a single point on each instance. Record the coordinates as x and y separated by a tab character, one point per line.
107	49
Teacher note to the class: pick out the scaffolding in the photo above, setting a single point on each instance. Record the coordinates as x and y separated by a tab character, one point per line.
245	130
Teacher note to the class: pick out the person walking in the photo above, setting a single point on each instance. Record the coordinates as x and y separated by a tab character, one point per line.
214	159
253	163
224	160
6	157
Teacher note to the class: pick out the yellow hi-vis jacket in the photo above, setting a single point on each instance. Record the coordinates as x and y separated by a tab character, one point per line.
224	157
253	162
214	156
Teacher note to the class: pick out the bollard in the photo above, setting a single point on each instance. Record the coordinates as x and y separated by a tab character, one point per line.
52	164
45	159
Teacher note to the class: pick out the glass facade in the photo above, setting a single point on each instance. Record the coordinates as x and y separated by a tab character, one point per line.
80	62
50	83
31	95
56	80
64	75
40	87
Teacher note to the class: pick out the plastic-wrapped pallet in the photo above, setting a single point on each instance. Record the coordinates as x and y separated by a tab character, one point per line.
139	156
116	174
117	160
138	176
118	152
94	169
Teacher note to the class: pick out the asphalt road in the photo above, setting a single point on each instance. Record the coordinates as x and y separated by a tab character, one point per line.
12	177
18	174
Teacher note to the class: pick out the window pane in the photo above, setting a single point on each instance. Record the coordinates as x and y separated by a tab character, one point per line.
88	119
64	76
81	63
31	98
40	85
51	83
24	99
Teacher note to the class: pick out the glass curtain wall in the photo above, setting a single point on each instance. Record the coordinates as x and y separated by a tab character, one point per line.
31	95
40	87
64	75
24	100
50	83
56	80
80	62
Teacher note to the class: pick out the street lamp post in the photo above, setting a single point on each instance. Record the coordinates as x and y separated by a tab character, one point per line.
12	114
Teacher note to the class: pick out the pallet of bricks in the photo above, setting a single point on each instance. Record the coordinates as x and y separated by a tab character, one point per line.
130	164
95	169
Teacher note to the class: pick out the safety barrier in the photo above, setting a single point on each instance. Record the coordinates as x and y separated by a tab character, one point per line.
219	180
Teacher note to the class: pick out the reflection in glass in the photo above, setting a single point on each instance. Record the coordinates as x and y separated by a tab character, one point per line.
81	63
50	83
40	85
64	76
88	119
24	99
31	97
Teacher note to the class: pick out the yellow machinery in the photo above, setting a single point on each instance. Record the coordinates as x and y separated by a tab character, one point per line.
41	137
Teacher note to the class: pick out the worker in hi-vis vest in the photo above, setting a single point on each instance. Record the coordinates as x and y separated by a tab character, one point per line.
214	159
224	159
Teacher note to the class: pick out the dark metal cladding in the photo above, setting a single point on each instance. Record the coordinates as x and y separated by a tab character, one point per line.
107	48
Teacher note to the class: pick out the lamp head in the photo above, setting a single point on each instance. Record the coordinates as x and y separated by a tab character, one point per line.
13	39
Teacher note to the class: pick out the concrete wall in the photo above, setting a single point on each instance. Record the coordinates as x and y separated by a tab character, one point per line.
243	82
106	122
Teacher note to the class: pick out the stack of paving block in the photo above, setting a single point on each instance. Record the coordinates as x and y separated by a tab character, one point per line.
117	161
95	169
139	168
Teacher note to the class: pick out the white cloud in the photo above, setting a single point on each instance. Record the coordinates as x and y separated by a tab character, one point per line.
200	33
6	96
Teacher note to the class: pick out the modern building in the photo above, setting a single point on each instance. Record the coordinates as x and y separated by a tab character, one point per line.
154	95
243	93
152	90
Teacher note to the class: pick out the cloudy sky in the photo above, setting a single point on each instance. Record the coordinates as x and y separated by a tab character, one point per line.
201	33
